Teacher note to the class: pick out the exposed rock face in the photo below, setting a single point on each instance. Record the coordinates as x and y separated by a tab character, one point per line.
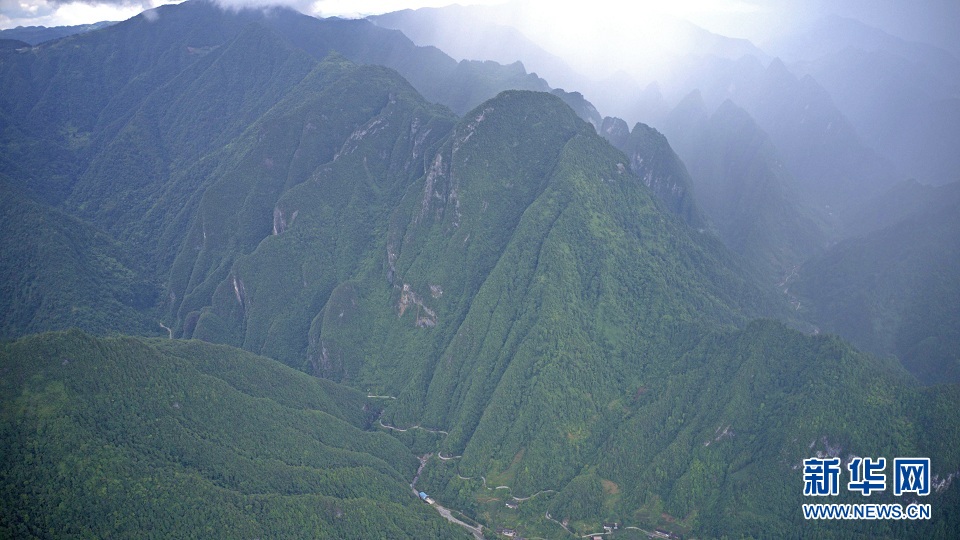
240	291
436	172
426	317
616	131
280	223
654	161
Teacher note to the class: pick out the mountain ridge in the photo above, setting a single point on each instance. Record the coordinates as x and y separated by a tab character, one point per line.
504	294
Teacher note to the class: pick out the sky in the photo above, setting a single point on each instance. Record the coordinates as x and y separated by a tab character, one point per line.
933	21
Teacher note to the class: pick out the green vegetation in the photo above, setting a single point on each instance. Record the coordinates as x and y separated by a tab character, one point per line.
157	439
652	159
714	444
60	272
514	286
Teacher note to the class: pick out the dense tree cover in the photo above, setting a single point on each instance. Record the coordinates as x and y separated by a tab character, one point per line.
302	195
130	438
720	441
60	272
507	282
714	444
457	255
127	127
653	160
34	35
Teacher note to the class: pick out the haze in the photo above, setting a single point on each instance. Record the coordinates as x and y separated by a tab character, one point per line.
932	21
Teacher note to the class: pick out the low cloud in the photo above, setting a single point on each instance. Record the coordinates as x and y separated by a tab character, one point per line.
305	6
68	12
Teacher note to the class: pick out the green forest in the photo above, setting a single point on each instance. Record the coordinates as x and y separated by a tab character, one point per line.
269	276
133	438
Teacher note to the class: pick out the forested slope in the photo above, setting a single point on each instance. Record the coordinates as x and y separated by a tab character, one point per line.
507	281
131	438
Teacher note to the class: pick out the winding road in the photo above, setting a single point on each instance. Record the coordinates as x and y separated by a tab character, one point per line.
445	512
401	430
477	531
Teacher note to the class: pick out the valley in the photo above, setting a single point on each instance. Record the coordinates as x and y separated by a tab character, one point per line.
273	273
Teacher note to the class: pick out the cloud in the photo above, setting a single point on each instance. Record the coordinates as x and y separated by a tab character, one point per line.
15	9
305	6
69	12
143	4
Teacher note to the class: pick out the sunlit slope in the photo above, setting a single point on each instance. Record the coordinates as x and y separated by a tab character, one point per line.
131	438
127	128
586	276
712	446
527	248
301	202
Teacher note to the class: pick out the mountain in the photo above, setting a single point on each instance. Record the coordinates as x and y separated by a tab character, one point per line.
743	187
472	33
353	172
915	85
341	204
34	35
819	147
514	32
826	149
61	272
537	325
894	290
904	200
126	143
8	44
653	160
126	437
460	85
506	325
829	35
711	444
584	109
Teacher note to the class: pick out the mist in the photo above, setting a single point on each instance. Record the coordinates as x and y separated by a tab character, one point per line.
646	40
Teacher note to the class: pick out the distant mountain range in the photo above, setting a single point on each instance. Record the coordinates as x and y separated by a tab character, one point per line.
913	84
317	268
34	35
744	187
894	290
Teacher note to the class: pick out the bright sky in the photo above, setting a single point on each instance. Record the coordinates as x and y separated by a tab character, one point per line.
62	12
933	21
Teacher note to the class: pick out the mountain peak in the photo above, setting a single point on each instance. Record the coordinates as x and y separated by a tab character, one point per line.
777	67
615	130
692	103
728	111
